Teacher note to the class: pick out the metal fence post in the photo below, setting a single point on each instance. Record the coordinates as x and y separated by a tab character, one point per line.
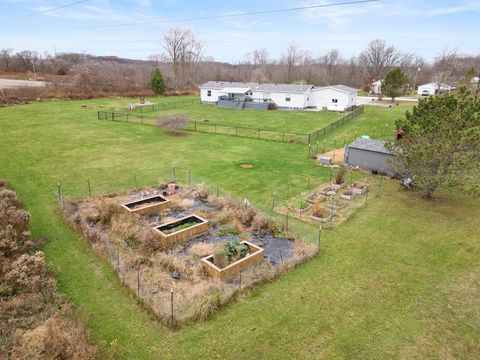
273	200
89	188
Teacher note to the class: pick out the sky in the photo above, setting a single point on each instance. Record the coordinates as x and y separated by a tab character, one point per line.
423	27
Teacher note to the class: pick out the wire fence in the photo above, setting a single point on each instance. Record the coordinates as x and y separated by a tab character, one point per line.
205	126
139	109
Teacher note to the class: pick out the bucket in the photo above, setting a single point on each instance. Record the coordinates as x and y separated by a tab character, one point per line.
171	189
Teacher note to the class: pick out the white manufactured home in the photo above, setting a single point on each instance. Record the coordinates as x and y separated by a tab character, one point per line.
282	96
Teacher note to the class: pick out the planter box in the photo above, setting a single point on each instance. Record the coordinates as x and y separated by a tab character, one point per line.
338	187
357	190
347	196
315	197
319	219
338	206
181	235
146	206
254	256
291	208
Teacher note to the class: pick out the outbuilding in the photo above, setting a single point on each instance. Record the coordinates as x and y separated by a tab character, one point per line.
369	154
432	89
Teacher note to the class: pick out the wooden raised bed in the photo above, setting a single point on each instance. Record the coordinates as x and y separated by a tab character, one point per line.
164	231
347	195
358	189
147	205
254	256
315	197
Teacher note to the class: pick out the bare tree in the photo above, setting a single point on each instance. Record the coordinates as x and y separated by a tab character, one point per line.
378	58
5	59
290	59
444	66
184	52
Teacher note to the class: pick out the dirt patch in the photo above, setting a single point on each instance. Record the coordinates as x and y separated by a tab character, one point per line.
336	155
246	166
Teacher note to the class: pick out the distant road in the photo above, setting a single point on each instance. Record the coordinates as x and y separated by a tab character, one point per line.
11	84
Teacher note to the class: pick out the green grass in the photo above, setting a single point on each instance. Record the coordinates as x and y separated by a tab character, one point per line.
398	280
293	121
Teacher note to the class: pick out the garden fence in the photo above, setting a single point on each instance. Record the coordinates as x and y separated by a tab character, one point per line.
144	109
206	126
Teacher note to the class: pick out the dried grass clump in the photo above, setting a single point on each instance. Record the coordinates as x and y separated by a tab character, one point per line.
173	124
10	198
243	215
304	250
202	192
91	211
3	183
108	209
202	249
150	242
319	210
125	229
261	225
62	336
206	305
172	263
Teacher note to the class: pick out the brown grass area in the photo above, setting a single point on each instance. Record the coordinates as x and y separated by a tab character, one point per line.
336	155
146	266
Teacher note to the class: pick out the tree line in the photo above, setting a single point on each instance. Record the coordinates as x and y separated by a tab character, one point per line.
183	62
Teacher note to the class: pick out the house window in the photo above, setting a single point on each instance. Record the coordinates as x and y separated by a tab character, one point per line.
288	97
335	101
209	92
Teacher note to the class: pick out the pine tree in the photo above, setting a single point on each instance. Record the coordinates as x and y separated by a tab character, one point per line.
156	82
440	145
395	83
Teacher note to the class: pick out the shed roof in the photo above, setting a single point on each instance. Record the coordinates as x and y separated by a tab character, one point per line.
370	145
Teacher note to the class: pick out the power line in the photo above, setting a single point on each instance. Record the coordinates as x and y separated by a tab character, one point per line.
230	15
49	10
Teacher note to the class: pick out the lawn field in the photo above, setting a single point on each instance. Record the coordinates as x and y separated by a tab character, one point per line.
303	122
400	279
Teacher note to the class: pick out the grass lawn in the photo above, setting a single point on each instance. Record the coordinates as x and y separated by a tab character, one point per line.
280	120
398	280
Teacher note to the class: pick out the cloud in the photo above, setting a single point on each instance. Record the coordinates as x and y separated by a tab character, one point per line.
466	6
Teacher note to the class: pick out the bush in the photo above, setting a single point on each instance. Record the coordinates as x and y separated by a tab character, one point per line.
262	225
320	211
173	124
108	209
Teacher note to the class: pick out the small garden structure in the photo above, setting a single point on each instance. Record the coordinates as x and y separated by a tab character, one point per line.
182	229
253	256
196	254
147	205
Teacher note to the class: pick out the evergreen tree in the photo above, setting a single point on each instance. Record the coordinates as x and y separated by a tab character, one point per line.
440	145
156	82
395	83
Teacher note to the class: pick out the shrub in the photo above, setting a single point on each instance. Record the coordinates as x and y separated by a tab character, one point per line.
3	183
173	124
206	305
262	225
202	192
340	176
108	209
319	210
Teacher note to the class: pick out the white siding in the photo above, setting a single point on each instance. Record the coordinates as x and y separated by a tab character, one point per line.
320	98
204	98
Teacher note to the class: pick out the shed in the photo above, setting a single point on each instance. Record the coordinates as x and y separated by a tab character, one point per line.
369	154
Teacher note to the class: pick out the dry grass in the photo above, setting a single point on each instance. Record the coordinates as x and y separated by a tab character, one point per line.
202	249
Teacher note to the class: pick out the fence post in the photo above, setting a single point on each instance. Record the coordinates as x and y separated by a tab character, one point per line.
308	187
324	144
136	185
98	115
189	177
331	173
273	200
59	192
174	174
171	305
309	150
381	182
138	281
309	141
195	126
319	236
89	188
217	191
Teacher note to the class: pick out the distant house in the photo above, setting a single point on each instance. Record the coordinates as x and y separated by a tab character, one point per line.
369	154
376	87
431	89
282	96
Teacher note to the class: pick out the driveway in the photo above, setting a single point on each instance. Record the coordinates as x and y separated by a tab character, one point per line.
12	84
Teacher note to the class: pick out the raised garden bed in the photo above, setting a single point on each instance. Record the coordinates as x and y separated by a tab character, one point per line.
358	189
254	256
347	195
149	205
338	186
320	219
178	231
315	198
300	205
337	204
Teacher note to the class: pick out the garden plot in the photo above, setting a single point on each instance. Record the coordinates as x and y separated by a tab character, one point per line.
330	204
188	259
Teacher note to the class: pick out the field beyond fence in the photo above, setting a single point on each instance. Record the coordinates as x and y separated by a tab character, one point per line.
145	115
